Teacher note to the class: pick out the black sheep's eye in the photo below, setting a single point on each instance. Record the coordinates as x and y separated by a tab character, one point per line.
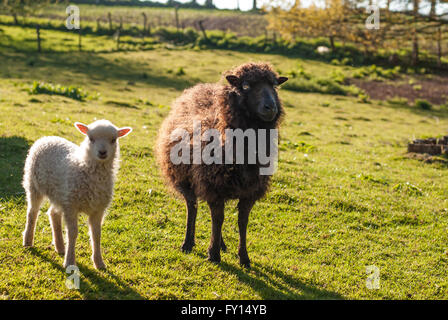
245	86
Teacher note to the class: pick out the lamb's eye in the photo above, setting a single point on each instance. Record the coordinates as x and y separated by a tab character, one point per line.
92	140
113	141
246	86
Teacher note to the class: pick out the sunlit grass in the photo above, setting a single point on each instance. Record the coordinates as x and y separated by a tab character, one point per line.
345	195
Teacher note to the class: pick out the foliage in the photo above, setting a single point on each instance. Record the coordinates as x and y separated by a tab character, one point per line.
422	104
376	72
325	86
51	89
22	7
346	21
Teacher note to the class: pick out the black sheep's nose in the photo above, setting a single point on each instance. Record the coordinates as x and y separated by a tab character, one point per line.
269	107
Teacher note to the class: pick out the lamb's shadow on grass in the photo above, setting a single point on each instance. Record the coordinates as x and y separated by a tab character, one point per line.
94	284
12	158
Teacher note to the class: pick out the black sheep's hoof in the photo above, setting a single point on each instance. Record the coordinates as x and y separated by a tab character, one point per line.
245	263
244	259
223	247
187	247
214	257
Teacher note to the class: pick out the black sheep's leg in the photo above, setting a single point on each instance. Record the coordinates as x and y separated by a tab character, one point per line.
192	209
244	208
217	212
223	245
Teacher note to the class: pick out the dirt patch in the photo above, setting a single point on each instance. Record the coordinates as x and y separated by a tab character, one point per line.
435	90
427	158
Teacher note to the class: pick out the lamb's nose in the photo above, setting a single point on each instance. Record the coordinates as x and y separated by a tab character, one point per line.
102	153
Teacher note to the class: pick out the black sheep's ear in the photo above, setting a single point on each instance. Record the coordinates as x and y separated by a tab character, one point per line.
281	80
233	80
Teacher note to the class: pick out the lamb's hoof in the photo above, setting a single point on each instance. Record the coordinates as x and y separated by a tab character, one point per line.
27	243
187	247
69	264
100	266
60	252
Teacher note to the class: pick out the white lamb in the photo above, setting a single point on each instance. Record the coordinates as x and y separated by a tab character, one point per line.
75	179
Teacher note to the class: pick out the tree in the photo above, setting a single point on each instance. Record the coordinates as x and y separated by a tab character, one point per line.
22	7
312	21
254	5
415	50
345	20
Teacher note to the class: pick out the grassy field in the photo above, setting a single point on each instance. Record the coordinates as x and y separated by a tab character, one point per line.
345	195
242	23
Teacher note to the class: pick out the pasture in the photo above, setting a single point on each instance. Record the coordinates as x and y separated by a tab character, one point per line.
345	195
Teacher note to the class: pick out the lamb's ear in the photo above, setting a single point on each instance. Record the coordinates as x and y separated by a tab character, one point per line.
123	132
81	127
281	80
233	80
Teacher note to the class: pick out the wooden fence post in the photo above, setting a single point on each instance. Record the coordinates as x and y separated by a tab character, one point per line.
145	22
109	17
118	38
266	35
79	40
439	46
201	26
38	38
176	14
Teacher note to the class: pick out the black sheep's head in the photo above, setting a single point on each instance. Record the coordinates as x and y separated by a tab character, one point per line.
257	85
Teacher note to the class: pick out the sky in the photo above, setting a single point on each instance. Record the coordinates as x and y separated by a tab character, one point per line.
225	4
247	4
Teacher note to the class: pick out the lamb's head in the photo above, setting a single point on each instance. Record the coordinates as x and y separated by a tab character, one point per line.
101	139
257	84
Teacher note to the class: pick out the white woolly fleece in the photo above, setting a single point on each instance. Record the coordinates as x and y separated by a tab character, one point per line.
68	175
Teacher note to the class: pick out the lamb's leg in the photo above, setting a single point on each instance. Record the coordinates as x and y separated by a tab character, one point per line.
56	227
192	209
34	201
95	222
244	208
217	212
71	222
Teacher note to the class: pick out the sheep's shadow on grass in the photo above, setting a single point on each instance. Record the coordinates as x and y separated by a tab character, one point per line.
13	152
273	284
93	285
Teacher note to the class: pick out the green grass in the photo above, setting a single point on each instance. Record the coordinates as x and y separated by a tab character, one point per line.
345	195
